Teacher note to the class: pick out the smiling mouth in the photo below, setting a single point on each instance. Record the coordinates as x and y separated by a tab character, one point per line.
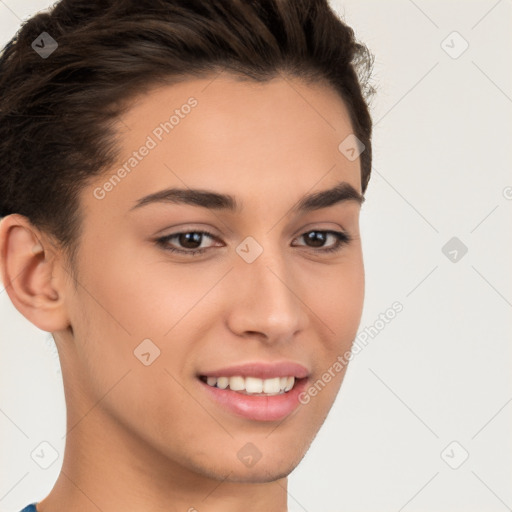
253	386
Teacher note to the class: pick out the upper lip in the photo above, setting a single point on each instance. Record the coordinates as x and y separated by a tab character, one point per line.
261	370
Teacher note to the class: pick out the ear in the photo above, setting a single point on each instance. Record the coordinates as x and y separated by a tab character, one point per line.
28	262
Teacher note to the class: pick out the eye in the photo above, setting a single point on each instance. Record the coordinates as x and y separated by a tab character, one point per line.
190	241
318	237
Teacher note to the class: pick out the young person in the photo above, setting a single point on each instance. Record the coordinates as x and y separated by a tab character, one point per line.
181	183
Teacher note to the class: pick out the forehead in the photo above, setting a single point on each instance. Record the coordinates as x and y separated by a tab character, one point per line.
242	137
222	112
227	89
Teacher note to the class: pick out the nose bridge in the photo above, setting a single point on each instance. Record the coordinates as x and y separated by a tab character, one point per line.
266	300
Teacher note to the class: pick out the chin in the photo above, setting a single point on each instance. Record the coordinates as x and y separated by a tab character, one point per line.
262	474
269	468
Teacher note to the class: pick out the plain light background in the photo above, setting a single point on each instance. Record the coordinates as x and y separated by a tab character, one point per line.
433	386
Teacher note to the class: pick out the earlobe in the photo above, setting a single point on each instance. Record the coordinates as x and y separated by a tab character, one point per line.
27	274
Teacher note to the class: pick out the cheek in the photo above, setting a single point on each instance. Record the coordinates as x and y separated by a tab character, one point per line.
350	301
142	298
120	304
337	298
338	306
125	302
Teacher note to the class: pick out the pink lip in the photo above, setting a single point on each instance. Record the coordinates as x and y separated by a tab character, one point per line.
261	370
258	408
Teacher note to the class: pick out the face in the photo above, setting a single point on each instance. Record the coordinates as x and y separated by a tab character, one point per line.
180	287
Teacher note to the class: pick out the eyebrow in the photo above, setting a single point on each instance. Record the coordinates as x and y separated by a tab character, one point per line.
216	201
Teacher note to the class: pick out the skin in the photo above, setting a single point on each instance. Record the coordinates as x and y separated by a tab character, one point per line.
148	437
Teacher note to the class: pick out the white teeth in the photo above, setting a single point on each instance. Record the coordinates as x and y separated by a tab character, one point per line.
289	383
222	382
236	383
271	385
253	385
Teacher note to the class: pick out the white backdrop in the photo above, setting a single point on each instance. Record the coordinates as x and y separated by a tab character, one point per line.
423	420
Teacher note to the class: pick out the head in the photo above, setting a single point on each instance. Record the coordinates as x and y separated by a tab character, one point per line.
247	108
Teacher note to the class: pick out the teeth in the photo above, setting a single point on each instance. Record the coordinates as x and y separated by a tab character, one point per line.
211	381
271	385
289	383
236	383
222	382
253	385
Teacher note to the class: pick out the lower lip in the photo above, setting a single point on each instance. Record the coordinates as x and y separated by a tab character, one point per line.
258	408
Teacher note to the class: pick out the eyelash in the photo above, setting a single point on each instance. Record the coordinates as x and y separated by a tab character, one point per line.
343	239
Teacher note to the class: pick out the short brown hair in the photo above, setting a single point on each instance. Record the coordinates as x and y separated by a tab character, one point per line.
57	113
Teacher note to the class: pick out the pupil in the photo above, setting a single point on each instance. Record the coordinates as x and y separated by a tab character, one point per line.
316	237
185	240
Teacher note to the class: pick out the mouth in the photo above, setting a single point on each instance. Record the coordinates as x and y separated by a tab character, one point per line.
254	398
253	386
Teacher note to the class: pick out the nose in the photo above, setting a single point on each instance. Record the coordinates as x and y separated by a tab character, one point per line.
266	301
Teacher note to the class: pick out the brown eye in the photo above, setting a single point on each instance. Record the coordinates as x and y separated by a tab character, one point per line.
189	241
317	239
